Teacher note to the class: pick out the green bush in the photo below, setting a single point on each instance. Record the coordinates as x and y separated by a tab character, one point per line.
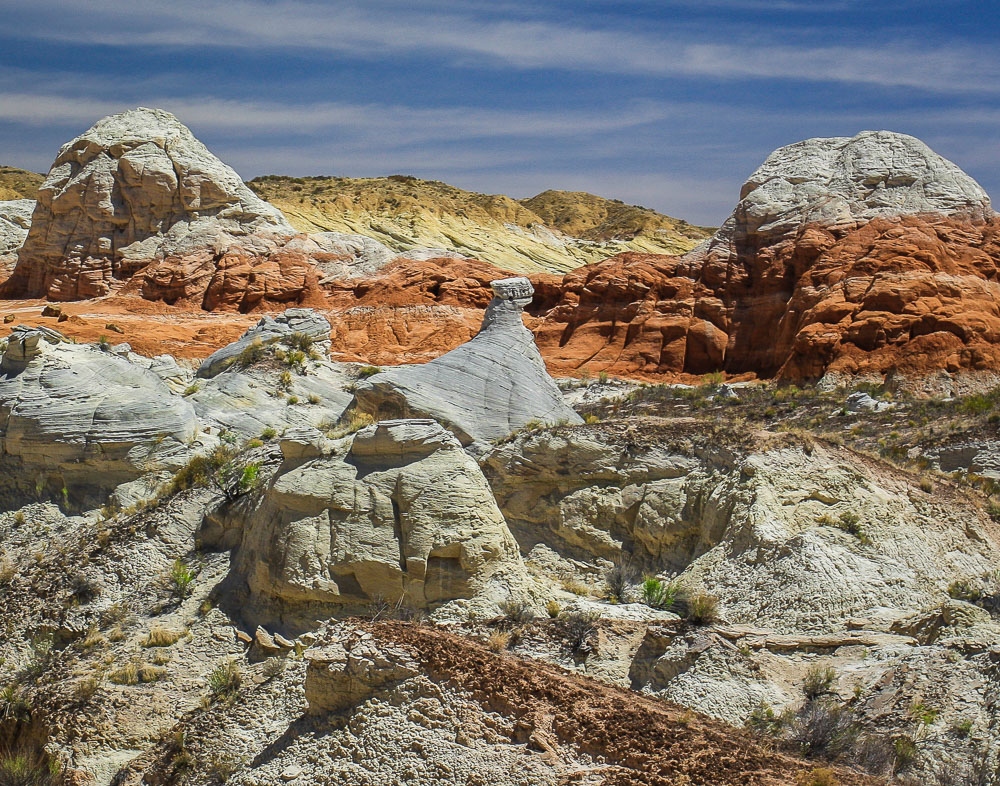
181	579
658	594
368	371
819	680
225	680
251	354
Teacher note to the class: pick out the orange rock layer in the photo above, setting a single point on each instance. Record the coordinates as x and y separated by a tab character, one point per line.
914	294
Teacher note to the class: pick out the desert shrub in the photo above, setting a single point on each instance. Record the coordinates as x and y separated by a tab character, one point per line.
819	776
822	729
285	380
191	389
764	720
134	672
819	680
962	728
29	769
268	434
159	636
293	400
517	612
252	353
274	666
313	399
577	627
552	608
591	420
202	469
301	342
965	589
83	588
658	594
577	587
355	422
368	371
14	704
620	577
702	609
906	751
8	570
295	360
498	640
225	680
181	579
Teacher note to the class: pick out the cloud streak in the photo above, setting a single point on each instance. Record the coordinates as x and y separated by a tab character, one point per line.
474	39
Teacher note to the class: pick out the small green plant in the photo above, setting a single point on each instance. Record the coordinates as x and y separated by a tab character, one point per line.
602	377
552	608
299	341
285	380
850	523
292	400
248	479
368	371
819	681
313	399
591	420
253	443
181	579
765	720
658	594
962	728
225	680
191	389
14	704
268	434
922	713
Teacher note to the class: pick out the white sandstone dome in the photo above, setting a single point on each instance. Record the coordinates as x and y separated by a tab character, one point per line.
850	179
135	187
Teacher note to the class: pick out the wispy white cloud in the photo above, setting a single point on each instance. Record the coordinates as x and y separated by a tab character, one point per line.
368	31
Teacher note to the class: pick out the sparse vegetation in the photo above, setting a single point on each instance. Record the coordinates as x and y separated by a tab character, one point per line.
225	680
658	594
160	636
702	609
620	578
181	579
368	371
819	681
252	353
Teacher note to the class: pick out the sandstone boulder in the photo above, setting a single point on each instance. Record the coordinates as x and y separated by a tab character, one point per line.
82	419
303	322
398	512
482	390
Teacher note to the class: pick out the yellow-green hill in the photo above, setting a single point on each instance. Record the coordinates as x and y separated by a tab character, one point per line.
554	231
18	184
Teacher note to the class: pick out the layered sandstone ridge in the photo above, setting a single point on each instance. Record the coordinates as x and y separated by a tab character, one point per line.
554	231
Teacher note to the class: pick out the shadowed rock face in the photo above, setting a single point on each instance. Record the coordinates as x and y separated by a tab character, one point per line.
482	390
135	187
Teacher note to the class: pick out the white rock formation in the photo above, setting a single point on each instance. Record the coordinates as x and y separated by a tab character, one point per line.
81	416
399	511
844	181
482	390
135	187
270	330
15	218
795	540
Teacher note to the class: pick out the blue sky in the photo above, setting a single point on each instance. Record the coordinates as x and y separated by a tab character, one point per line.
666	104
